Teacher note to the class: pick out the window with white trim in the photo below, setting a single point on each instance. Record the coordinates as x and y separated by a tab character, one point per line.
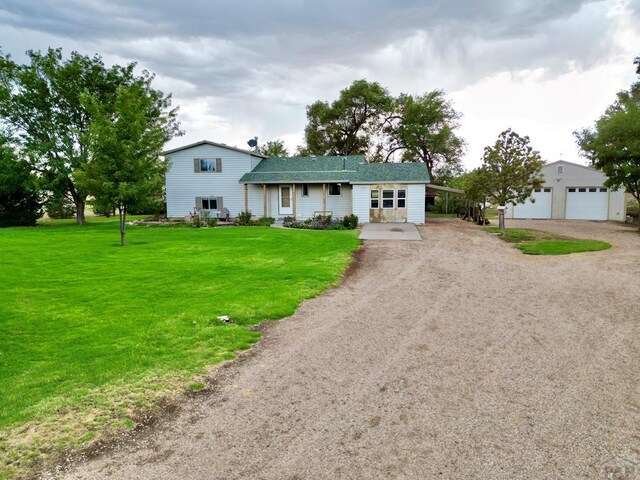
305	189
560	169
387	198
402	198
335	189
375	198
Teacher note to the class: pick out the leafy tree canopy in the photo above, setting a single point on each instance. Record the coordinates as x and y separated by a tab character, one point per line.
345	126
510	169
274	148
367	119
125	142
42	109
612	145
19	198
422	128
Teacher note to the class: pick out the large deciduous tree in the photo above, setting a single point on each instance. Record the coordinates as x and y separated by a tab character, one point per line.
613	143
125	143
422	128
366	119
19	195
42	109
345	126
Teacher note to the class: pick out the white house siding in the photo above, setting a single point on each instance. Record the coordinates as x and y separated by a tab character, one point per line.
338	205
255	200
574	175
415	203
183	185
360	202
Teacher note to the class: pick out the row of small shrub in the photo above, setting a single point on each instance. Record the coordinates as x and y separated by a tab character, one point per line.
244	219
323	222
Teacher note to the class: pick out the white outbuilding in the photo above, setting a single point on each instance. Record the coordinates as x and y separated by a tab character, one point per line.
573	192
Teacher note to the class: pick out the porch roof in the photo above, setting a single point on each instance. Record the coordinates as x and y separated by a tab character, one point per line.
336	169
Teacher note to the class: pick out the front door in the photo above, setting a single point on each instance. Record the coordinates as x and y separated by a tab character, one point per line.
284	204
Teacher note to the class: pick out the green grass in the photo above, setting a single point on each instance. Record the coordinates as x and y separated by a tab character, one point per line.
563	247
536	242
88	326
517	235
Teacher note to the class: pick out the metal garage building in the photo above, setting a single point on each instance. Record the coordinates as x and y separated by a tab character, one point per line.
572	192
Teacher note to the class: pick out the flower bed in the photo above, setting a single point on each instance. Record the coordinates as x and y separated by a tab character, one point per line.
323	222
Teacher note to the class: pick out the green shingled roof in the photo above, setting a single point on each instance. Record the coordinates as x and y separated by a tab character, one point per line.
349	169
391	172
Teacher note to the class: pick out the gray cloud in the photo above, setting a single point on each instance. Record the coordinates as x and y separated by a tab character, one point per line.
243	62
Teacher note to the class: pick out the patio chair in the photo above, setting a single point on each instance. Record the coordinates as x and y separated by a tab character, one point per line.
223	214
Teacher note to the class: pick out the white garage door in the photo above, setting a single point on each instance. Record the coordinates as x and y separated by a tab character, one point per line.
541	208
584	203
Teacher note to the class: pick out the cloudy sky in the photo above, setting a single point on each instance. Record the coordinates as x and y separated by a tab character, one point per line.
240	69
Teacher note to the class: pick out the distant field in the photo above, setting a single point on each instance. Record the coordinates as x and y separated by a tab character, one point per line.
84	321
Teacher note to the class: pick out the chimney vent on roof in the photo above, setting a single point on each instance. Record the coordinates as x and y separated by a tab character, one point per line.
344	163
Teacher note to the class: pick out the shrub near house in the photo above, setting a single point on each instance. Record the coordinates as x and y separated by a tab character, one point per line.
323	222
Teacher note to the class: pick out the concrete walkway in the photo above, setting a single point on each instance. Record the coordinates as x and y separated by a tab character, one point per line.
390	231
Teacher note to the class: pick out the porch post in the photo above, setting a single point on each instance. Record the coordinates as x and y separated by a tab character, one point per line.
246	197
293	202
264	198
324	197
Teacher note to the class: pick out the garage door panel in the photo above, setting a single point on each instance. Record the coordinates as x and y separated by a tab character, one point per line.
587	203
541	208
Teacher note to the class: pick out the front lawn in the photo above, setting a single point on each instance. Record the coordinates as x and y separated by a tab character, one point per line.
537	242
91	330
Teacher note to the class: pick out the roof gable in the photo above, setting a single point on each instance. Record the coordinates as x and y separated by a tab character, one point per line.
213	144
571	164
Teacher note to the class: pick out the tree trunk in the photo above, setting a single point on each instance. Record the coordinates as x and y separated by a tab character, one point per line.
122	212
80	220
503	230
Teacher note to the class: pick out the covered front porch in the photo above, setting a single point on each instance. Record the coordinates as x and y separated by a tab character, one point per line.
299	200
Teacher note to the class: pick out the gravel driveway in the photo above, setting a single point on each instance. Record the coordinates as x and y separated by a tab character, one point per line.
452	357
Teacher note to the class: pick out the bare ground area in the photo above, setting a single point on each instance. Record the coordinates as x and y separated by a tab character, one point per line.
453	357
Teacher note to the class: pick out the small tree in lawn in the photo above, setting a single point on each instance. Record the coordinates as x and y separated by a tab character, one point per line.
512	170
126	144
613	144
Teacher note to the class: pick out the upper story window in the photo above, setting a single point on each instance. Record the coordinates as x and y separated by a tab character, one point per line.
335	189
560	169
211	165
